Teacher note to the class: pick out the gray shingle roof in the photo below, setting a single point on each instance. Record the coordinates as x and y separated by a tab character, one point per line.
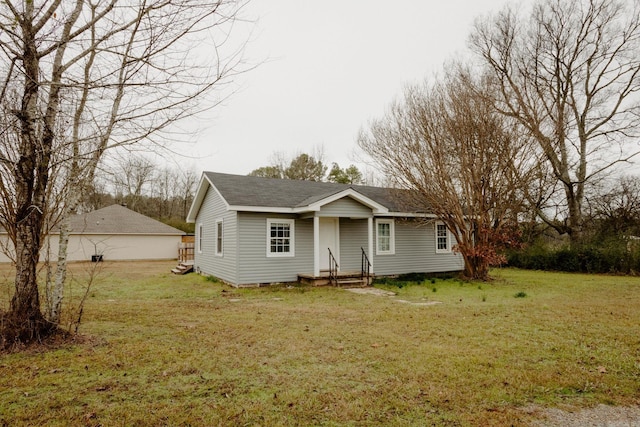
242	190
117	219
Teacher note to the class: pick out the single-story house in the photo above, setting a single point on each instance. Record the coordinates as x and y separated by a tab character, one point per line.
113	233
253	230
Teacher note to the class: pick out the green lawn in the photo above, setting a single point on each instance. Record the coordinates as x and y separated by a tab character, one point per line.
181	350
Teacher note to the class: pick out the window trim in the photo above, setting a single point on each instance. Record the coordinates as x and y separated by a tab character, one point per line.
219	237
447	250
199	236
392	236
292	238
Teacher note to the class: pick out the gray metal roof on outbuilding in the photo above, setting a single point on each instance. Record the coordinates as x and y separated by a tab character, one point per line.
117	219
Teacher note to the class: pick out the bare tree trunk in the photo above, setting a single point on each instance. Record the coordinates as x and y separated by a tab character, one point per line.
32	178
56	290
26	319
31	175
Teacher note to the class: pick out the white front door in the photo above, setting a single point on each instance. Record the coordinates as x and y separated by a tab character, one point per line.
329	239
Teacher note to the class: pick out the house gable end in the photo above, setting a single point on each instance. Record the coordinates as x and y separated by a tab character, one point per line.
352	194
345	207
201	192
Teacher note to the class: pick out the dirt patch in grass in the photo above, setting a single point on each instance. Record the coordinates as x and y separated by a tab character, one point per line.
598	416
385	293
371	291
420	303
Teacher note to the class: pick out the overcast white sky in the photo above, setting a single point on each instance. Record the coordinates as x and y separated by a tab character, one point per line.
332	66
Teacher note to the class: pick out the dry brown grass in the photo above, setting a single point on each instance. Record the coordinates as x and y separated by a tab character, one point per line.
181	350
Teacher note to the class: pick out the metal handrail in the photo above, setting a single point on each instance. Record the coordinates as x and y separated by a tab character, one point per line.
365	266
333	268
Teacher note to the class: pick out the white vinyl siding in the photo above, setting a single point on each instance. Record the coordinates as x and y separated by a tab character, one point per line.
415	252
346	208
353	238
280	237
385	237
254	264
206	259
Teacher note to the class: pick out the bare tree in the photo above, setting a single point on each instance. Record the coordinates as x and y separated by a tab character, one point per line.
165	186
615	212
171	192
459	158
81	78
97	195
132	176
569	73
188	183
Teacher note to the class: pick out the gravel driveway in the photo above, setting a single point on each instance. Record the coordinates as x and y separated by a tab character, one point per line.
598	416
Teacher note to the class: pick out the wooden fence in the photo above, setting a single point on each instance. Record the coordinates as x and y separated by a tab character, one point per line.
186	249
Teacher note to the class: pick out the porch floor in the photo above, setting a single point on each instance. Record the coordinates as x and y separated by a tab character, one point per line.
345	279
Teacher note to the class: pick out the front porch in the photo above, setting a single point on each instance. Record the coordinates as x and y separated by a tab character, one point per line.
340	241
340	257
351	279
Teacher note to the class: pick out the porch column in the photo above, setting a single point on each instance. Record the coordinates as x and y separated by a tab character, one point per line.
316	246
370	242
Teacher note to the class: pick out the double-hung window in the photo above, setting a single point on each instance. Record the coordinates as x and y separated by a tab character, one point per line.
385	237
443	241
280	237
219	238
200	237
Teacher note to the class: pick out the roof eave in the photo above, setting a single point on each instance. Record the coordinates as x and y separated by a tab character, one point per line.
265	209
201	192
409	215
198	199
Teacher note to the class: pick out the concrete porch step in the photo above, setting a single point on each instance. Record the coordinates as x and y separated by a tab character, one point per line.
352	283
345	279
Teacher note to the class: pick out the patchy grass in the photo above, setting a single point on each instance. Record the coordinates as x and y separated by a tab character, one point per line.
181	350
